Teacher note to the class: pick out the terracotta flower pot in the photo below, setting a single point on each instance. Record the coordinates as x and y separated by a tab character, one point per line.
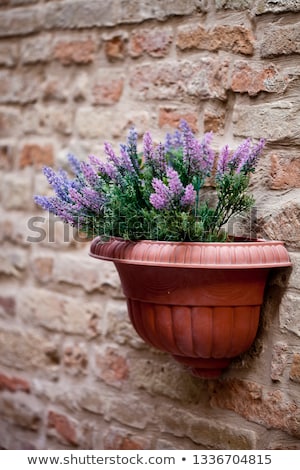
198	301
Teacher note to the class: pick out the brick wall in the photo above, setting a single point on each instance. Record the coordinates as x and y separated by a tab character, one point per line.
73	73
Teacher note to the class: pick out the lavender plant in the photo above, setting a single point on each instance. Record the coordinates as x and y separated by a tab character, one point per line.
157	194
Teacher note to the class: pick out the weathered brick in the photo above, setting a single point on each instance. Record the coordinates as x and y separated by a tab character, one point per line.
118	326
6	156
233	4
288	313
13	437
107	90
283	225
8	54
20	87
115	48
13	384
92	123
56	312
205	79
112	367
36	155
35	50
21	411
135	11
204	432
294	275
13	261
278	6
250	400
162	376
214	120
42	268
237	39
7	305
285	171
140	119
10	121
93	401
88	273
64	426
279	361
172	116
28	351
132	414
118	439
16	191
252	80
280	40
154	42
20	21
295	368
75	52
276	122
75	359
55	89
22	2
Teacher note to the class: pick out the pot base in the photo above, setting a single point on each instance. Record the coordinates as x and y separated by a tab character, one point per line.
204	368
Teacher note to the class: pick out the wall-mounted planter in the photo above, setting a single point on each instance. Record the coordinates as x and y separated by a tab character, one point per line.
198	301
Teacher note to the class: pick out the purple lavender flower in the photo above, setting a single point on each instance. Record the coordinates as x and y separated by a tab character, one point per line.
223	160
74	163
148	148
197	156
104	168
249	161
189	197
173	141
125	160
111	154
161	198
241	154
58	183
175	185
89	173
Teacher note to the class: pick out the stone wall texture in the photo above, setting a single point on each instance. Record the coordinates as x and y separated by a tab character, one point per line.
74	73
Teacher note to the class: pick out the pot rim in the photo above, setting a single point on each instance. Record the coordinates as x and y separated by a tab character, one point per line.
241	253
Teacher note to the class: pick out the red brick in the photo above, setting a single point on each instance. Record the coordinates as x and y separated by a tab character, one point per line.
171	117
252	80
108	91
237	39
115	48
214	121
285	172
63	426
13	384
36	155
270	409
112	367
154	42
75	52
